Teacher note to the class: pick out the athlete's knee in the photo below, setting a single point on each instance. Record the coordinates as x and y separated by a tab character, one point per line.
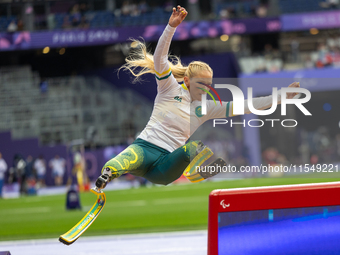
160	180
114	172
164	182
195	148
190	150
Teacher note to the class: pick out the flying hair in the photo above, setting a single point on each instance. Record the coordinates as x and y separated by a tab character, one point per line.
140	62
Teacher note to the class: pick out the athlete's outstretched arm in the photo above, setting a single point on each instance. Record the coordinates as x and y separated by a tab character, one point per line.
262	103
164	75
259	103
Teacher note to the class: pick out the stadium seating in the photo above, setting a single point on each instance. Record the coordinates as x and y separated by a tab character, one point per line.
236	9
243	7
98	19
4	22
70	106
260	64
291	6
246	7
108	19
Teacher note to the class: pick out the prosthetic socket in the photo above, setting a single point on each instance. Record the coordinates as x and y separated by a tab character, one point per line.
104	178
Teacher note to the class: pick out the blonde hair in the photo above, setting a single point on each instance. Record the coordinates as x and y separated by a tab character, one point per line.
141	62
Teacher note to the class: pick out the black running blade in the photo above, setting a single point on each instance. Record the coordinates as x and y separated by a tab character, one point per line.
65	242
213	168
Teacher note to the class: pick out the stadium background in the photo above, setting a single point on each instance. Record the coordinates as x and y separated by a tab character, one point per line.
60	94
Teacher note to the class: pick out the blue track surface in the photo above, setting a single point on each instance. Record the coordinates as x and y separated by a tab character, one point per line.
173	243
310	235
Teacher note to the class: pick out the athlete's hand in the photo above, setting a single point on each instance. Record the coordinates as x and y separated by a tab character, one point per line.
177	16
293	85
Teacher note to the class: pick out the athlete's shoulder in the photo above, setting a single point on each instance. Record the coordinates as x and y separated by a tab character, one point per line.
163	75
183	86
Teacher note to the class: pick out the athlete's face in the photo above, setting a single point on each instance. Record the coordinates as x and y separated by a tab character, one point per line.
199	85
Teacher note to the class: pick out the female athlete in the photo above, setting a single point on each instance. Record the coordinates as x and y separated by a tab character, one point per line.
160	153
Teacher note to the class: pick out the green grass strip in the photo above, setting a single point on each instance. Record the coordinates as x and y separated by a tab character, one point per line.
142	210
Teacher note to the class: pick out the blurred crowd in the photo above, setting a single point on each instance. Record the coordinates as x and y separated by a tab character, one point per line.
329	53
81	14
321	53
136	8
15	25
319	146
3	169
30	173
239	9
316	147
330	4
76	17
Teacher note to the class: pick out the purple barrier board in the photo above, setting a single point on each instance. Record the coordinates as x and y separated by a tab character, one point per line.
75	38
95	159
329	19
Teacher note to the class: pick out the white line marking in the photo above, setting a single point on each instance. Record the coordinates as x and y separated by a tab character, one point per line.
26	210
182	200
126	204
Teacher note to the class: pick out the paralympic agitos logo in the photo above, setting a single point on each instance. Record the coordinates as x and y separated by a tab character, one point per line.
239	102
206	91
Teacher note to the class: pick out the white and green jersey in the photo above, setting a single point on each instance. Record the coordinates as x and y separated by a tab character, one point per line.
175	117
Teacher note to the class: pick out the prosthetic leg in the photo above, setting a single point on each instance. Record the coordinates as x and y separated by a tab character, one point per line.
74	233
193	171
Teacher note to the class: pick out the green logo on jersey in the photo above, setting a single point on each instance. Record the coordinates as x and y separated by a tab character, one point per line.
179	99
198	111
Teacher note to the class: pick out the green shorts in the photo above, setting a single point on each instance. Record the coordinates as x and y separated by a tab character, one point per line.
153	163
